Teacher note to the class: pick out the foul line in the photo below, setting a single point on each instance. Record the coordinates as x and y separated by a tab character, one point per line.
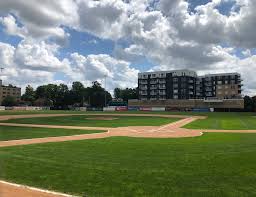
36	189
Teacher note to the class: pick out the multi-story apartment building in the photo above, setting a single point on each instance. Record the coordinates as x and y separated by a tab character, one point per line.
9	91
186	84
224	86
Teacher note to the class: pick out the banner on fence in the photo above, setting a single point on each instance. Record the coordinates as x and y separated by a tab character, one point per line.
121	108
133	108
111	108
145	108
158	108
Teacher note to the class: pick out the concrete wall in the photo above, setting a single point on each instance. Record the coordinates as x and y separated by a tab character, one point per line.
191	103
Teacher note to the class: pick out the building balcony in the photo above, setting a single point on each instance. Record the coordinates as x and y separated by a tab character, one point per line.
162	87
153	98
143	88
162	93
143	82
153	88
162	81
143	93
153	82
208	84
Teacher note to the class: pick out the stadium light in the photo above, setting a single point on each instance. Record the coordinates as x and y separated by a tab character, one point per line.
105	76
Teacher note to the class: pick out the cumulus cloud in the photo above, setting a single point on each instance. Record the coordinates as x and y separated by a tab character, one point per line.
166	32
39	56
97	67
42	19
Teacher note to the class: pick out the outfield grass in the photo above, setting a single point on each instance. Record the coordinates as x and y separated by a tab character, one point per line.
215	164
15	133
227	121
120	121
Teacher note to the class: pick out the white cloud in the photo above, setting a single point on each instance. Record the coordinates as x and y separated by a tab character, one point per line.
95	67
39	56
40	19
165	32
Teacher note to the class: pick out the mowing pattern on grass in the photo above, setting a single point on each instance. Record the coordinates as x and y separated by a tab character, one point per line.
120	121
212	165
15	133
226	121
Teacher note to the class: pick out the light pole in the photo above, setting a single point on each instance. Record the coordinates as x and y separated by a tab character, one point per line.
1	69
105	76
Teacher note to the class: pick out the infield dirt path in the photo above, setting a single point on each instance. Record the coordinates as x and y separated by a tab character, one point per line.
13	190
172	130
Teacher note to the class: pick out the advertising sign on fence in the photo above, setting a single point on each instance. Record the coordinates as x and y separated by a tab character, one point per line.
158	108
133	108
145	108
109	108
121	108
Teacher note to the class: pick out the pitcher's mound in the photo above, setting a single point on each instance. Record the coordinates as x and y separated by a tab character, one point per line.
101	118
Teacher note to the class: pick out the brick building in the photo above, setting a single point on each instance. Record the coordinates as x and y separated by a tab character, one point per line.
9	91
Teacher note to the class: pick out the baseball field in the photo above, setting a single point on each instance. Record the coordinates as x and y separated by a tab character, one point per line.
127	154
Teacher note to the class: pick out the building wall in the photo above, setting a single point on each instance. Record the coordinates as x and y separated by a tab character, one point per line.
10	91
185	84
190	103
180	84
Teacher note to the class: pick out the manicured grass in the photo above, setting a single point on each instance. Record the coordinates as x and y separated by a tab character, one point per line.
215	164
83	121
227	121
15	133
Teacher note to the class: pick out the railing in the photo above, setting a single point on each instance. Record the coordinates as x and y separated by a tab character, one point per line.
162	81
153	82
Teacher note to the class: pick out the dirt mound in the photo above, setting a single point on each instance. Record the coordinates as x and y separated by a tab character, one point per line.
101	118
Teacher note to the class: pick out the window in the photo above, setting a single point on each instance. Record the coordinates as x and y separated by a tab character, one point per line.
175	85
175	79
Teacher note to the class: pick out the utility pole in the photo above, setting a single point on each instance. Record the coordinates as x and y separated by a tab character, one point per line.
105	76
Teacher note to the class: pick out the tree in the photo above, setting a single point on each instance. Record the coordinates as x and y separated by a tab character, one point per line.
117	93
249	104
29	95
96	95
56	95
254	102
126	94
9	101
77	93
60	97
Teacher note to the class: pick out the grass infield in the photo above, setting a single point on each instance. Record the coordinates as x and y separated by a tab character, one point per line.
215	164
16	133
118	121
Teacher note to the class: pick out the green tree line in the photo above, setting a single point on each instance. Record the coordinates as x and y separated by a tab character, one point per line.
60	96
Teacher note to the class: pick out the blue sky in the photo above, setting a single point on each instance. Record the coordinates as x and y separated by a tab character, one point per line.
86	39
